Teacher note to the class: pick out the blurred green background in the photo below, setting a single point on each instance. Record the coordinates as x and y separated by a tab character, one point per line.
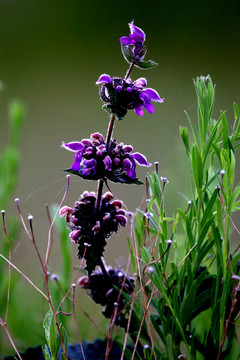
51	54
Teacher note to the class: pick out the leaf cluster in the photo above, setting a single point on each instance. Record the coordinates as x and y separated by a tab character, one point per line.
188	259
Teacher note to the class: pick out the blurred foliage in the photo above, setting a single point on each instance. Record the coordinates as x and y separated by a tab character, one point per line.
9	170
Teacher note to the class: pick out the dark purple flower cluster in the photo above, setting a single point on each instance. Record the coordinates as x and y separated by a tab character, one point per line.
121	95
91	227
104	290
94	160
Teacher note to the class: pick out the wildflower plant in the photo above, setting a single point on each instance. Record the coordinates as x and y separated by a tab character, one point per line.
181	299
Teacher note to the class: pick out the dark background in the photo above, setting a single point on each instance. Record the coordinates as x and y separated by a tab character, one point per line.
51	54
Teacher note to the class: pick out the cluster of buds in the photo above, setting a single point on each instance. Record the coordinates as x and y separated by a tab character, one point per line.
107	290
91	227
95	160
121	95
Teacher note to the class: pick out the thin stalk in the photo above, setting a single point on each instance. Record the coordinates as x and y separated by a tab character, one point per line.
129	70
9	266
25	277
110	130
75	320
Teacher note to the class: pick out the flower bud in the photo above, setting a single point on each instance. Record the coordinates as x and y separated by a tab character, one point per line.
74	235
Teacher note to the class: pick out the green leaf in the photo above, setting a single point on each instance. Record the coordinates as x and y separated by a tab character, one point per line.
210	141
203	251
188	305
234	196
122	178
215	323
184	136
193	129
46	353
146	64
220	215
146	255
107	109
182	214
127	53
157	327
236	111
189	232
133	262
208	213
202	302
225	131
218	243
51	334
197	167
65	337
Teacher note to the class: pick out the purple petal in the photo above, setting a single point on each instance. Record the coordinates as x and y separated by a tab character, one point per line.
127	148
129	167
97	136
121	219
149	107
117	161
108	163
144	97
127	164
77	160
153	95
141	82
127	40
141	159
73	146
75	235
86	142
104	79
137	33
139	111
89	167
90	163
132	174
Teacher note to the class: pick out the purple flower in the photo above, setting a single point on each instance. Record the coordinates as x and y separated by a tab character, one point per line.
147	95
121	95
89	167
136	35
129	164
93	160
